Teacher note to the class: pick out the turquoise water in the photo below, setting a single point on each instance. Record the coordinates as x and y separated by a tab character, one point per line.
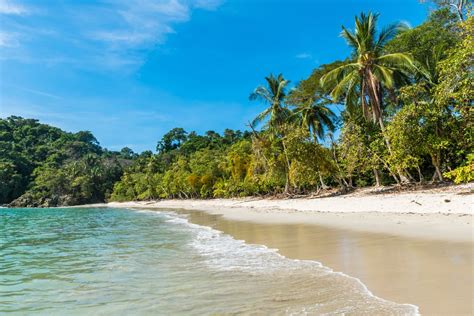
106	261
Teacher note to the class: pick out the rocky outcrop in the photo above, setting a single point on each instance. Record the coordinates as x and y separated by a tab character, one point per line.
30	200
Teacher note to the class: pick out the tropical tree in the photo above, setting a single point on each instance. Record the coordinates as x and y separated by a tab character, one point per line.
277	114
458	6
317	118
456	73
274	95
370	69
172	140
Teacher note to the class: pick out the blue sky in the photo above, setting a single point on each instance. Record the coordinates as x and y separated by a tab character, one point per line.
130	70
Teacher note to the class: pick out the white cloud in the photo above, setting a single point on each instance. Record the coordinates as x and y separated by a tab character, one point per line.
40	93
107	34
8	39
304	56
8	7
141	23
207	4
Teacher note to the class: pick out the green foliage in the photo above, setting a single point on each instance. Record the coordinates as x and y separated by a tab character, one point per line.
456	73
274	95
42	165
458	7
172	140
11	182
370	69
438	32
463	173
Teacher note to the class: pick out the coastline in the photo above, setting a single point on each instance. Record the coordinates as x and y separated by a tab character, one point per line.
440	214
405	254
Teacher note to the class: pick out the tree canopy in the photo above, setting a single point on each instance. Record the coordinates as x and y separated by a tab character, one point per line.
43	165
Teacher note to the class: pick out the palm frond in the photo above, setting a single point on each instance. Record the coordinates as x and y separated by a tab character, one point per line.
389	33
261	93
350	38
384	75
342	85
260	117
398	60
330	79
352	95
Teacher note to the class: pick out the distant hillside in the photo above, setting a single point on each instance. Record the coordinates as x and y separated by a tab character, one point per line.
41	165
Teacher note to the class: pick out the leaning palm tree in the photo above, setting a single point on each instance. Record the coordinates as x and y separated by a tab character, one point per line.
316	117
274	95
369	70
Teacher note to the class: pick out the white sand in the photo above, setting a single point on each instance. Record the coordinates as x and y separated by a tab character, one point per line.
445	213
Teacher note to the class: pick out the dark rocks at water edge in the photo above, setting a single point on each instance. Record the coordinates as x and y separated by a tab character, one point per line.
29	200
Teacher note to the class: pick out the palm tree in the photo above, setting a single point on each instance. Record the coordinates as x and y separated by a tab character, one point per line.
316	117
370	69
274	94
277	114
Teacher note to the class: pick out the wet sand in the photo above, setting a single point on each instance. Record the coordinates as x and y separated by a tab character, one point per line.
409	247
435	275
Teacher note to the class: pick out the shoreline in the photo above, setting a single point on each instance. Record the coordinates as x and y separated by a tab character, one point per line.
434	275
420	256
429	214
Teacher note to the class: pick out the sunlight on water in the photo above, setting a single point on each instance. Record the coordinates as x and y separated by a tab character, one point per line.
103	260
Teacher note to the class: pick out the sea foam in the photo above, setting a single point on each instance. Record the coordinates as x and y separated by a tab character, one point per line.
224	253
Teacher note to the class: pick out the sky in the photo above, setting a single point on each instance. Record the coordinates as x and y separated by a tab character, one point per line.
130	70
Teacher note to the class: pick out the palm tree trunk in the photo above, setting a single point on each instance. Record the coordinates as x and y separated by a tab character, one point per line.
363	101
374	95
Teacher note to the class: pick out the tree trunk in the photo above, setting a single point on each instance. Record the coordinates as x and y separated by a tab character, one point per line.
287	184
341	176
420	174
459	7
408	175
323	185
436	163
377	177
363	101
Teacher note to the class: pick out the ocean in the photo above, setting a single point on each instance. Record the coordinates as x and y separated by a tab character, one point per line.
107	261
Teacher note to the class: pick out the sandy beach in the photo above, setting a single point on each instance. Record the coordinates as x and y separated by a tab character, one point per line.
443	213
407	247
